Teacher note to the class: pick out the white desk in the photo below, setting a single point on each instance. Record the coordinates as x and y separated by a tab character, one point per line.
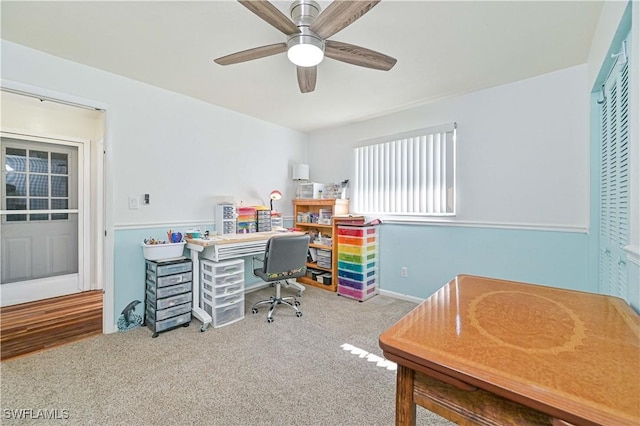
218	248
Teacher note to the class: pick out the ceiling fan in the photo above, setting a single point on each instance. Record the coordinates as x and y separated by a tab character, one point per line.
307	32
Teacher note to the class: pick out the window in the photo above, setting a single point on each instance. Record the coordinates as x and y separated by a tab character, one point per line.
411	174
36	180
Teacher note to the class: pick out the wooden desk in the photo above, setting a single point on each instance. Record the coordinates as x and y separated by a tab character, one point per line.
544	355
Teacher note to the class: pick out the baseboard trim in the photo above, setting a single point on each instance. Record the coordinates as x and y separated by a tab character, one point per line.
401	296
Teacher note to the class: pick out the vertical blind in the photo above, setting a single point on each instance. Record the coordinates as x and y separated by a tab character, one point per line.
614	181
411	174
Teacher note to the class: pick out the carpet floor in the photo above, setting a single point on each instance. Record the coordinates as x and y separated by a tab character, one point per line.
324	368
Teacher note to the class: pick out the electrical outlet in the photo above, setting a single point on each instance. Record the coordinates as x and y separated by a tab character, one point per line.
404	272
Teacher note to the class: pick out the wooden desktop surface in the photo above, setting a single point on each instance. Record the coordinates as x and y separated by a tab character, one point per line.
572	355
238	238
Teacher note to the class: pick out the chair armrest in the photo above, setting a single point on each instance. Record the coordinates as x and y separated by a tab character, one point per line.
255	259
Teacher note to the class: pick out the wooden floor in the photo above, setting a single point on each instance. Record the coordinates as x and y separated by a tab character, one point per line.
35	326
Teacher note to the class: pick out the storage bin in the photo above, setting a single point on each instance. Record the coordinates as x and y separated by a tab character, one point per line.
356	258
158	326
357	241
324	216
359	284
169	301
229	288
355	275
311	190
169	280
360	295
162	314
228	314
353	231
162	251
357	267
359	250
324	258
162	292
224	267
229	298
169	268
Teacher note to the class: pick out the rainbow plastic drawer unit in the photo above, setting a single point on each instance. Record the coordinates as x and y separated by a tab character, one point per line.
168	295
357	261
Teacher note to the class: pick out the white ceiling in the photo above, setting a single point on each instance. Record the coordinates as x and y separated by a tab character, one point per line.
443	48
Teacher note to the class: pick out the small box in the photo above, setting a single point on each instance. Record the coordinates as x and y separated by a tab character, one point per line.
311	190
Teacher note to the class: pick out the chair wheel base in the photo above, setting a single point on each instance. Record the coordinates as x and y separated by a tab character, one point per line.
269	320
298	314
254	311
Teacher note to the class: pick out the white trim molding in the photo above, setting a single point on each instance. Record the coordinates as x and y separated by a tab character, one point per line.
480	224
401	296
633	254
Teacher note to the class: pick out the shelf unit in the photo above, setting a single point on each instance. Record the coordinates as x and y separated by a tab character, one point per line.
312	207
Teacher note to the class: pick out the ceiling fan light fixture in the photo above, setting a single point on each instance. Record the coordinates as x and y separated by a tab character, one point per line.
305	50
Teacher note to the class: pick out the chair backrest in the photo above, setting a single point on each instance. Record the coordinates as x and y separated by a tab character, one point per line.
286	255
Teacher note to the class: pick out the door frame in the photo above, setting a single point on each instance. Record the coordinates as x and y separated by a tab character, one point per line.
83	211
102	184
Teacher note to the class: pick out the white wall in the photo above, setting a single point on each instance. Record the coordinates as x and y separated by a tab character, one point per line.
523	150
180	150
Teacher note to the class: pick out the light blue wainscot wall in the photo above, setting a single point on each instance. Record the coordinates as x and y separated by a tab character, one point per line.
129	274
434	254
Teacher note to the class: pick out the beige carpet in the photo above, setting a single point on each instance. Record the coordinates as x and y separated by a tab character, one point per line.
291	372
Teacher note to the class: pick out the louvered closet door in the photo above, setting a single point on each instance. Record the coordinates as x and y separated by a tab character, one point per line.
614	182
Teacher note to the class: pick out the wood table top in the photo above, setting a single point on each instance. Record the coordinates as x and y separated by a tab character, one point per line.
571	354
238	238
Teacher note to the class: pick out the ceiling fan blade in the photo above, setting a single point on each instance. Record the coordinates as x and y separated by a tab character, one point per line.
307	78
338	15
272	15
357	55
250	54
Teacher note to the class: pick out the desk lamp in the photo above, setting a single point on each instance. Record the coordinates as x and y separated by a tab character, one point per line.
275	195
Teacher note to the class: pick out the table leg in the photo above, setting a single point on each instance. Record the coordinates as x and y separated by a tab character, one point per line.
196	310
405	406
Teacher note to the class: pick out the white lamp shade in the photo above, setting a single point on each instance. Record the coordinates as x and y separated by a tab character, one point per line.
300	172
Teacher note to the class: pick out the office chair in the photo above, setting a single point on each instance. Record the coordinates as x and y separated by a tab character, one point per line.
285	257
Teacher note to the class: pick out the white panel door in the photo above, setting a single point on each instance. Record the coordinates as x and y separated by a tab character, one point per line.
40	228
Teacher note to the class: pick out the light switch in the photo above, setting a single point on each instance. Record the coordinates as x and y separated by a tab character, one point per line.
134	202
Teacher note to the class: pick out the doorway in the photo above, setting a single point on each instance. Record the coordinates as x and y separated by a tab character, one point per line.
52	198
